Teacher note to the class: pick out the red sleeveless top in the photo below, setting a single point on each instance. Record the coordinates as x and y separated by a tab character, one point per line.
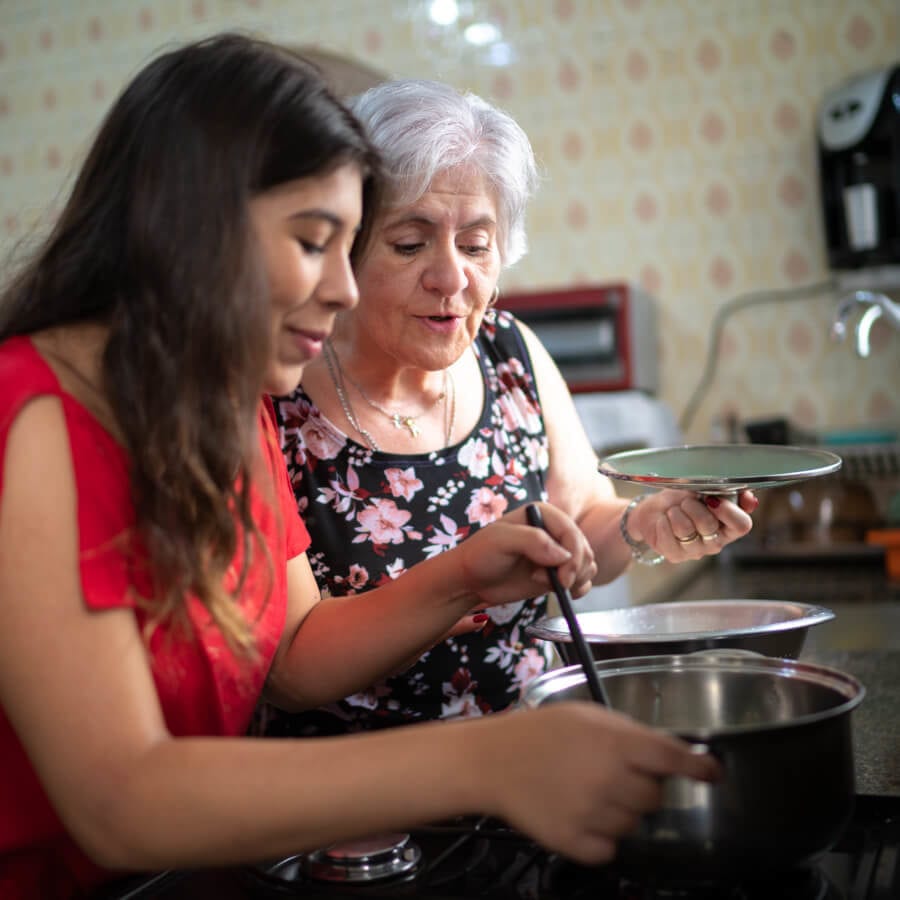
204	689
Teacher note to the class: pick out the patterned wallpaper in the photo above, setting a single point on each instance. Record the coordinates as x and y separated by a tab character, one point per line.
676	137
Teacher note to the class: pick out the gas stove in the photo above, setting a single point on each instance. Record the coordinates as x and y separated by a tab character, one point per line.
465	859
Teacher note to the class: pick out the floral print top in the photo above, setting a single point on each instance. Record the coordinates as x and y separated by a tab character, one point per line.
372	515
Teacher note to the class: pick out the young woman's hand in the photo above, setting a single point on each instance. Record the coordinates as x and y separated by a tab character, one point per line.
507	560
577	777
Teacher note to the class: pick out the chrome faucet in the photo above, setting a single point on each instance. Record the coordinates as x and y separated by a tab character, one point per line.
877	305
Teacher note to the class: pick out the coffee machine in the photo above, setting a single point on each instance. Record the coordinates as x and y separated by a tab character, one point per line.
859	167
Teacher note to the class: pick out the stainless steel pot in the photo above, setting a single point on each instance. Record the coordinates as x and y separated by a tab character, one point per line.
781	729
771	627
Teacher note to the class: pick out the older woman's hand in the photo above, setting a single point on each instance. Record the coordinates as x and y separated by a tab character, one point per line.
684	525
507	560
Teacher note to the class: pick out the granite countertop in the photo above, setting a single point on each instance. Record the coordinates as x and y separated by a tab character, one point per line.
876	721
863	640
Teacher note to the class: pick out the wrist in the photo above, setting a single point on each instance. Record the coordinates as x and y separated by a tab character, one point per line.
641	551
487	739
451	574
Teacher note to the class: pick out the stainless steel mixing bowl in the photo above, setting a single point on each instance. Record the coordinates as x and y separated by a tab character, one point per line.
770	627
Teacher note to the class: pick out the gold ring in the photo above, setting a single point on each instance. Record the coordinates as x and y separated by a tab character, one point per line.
709	537
689	539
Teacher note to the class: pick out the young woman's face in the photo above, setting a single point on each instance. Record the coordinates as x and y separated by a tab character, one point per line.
428	272
305	229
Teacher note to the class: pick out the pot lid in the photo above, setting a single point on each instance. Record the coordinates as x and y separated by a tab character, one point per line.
720	468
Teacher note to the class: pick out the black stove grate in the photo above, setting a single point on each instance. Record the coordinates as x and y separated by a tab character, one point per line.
462	860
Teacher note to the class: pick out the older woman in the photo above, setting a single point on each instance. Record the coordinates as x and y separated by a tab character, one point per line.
430	414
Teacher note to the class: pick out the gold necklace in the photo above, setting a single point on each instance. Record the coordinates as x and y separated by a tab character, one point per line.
337	375
398	420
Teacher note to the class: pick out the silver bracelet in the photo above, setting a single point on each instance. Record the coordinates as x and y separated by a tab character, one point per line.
640	550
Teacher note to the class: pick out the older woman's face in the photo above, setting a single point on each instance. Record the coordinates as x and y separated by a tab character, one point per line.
429	272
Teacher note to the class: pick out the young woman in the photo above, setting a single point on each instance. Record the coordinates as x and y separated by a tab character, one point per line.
153	579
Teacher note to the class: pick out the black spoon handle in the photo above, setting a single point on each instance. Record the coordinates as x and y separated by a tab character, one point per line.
533	514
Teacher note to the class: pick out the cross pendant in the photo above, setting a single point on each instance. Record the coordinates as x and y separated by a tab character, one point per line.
408	422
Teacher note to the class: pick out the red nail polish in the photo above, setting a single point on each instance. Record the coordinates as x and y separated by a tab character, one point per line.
480	618
712	502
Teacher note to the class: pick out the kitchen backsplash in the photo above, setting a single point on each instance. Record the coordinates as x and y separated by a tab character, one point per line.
676	137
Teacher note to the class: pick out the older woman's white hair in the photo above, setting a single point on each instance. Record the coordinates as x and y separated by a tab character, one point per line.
422	128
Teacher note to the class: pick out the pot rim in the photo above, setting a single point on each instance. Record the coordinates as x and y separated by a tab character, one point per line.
546	629
843	683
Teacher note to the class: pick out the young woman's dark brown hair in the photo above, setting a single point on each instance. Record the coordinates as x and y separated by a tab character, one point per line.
155	243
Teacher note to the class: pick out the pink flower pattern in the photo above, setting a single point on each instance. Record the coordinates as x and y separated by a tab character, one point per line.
382	522
323	443
486	506
475	456
403	482
357	576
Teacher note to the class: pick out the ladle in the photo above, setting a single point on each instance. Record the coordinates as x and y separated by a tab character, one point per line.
533	514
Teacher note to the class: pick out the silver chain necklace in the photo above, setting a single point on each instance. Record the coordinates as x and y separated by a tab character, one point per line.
338	376
398	420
